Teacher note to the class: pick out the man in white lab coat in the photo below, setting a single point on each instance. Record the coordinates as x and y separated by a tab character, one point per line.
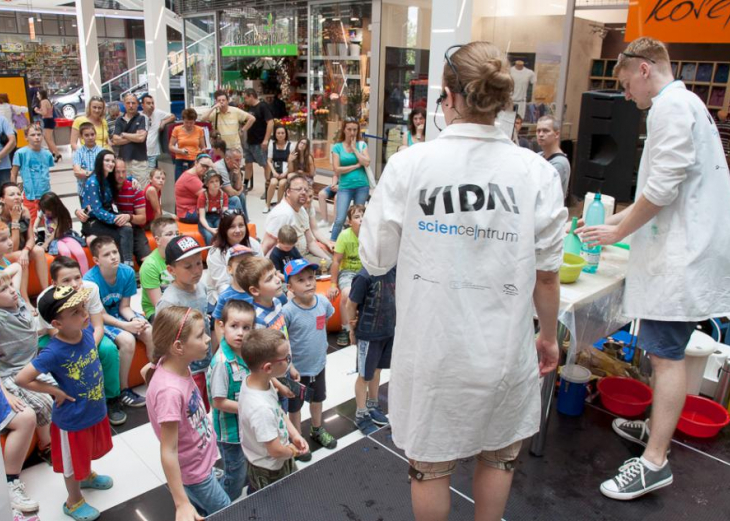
679	269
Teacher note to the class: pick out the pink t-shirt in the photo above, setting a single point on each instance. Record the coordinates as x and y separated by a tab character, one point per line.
186	194
172	398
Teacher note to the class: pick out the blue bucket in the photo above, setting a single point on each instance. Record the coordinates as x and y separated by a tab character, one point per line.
572	393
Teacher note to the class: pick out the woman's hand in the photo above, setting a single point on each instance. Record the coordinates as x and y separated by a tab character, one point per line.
16	212
122	219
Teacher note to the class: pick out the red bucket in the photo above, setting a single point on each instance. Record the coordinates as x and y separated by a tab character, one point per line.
702	418
624	396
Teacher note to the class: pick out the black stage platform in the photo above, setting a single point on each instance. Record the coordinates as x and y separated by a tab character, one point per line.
367	481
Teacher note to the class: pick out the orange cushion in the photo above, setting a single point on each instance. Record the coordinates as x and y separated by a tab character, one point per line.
334	324
31	449
138	362
34	285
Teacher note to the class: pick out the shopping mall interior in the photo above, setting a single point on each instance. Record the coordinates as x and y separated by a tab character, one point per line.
128	127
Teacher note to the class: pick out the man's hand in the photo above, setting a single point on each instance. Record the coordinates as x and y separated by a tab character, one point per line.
122	219
603	235
548	352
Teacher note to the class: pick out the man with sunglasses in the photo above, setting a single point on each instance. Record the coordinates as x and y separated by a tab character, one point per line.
678	251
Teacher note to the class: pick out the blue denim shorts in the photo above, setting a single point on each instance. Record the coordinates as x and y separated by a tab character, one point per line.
113	332
209	496
665	339
254	154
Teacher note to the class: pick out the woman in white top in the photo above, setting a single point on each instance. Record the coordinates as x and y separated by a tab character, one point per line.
279	150
232	230
7	109
475	225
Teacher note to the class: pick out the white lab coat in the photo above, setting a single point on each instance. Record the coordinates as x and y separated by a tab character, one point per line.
679	266
464	368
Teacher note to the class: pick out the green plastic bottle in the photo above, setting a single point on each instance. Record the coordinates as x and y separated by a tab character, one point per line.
572	242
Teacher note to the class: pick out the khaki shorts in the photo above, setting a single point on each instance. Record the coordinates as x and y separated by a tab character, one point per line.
502	459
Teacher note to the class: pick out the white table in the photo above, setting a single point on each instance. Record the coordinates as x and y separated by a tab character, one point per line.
590	308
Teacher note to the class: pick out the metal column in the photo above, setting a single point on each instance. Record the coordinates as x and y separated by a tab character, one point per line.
158	72
88	48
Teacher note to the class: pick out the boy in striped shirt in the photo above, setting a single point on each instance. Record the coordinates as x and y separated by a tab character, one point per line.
226	372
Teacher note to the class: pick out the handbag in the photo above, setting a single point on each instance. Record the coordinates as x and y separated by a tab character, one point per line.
20	122
369	172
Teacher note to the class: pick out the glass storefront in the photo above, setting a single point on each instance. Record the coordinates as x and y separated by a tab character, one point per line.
201	55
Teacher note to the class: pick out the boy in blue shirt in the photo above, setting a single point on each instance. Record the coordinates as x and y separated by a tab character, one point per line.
234	256
33	163
123	326
85	156
372	303
306	321
80	431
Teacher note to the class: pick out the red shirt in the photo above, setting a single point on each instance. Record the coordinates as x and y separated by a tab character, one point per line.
149	211
213	204
129	199
186	194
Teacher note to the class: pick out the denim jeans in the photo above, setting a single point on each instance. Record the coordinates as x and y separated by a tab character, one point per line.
234	465
213	220
123	236
181	165
345	196
208	497
4	175
238	202
190	218
152	162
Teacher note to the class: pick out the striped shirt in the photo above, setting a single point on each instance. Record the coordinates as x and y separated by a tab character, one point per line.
225	374
271	318
85	157
18	338
129	199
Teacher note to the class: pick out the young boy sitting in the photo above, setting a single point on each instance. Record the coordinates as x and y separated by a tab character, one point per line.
18	346
153	275
80	431
227	371
65	271
285	249
85	156
372	304
265	429
123	326
306	321
185	265
234	256
33	163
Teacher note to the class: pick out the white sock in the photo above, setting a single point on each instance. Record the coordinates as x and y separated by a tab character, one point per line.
651	466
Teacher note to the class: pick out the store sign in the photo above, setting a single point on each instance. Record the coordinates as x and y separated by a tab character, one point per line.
679	21
284	49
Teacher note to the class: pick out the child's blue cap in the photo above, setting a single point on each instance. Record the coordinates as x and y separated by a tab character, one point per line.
296	266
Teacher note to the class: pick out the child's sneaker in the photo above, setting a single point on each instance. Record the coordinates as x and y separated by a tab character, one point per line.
114	410
132	399
365	424
323	437
378	416
18	498
307	456
97	481
81	511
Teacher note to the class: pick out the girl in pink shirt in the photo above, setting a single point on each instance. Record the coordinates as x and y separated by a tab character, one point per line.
178	417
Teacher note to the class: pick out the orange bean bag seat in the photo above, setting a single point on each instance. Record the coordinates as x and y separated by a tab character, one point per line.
138	362
31	449
334	324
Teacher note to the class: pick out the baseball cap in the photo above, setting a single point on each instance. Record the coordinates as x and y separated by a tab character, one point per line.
60	298
210	175
296	266
182	247
237	251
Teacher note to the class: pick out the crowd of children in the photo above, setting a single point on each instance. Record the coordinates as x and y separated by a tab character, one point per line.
228	375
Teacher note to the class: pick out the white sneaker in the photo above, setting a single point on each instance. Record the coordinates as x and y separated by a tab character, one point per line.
322	223
19	500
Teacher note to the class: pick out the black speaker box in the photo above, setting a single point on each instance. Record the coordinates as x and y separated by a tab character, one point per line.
607	145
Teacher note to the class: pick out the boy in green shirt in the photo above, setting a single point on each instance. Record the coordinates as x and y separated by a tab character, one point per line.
153	275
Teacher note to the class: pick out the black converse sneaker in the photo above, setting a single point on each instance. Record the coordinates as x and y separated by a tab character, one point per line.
634	479
632	430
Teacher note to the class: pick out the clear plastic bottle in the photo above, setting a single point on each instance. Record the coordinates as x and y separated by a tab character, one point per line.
594	217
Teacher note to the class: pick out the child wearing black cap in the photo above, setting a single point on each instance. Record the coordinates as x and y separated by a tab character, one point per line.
185	264
80	429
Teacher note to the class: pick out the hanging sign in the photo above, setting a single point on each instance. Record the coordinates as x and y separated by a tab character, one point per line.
679	21
259	50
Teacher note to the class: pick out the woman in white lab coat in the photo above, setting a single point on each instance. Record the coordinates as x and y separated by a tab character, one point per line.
475	225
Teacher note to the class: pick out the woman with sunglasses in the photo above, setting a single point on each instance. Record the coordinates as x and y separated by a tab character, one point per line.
232	230
95	114
349	160
476	225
